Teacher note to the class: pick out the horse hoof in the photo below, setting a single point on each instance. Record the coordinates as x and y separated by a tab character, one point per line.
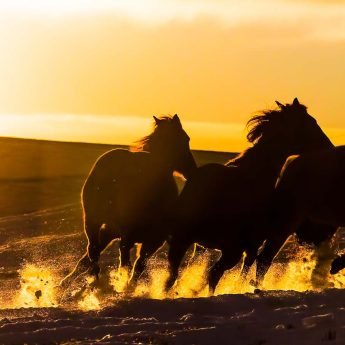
337	265
333	271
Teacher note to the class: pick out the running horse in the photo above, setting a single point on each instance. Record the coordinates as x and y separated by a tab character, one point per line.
131	195
311	187
226	206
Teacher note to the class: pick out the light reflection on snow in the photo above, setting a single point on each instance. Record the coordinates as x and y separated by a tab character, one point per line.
37	288
38	283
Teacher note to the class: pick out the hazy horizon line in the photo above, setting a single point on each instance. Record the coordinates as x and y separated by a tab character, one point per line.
94	143
127	130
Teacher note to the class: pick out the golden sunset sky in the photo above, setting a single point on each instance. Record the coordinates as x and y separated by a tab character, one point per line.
97	71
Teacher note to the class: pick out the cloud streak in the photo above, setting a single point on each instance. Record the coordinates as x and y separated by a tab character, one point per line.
208	60
321	19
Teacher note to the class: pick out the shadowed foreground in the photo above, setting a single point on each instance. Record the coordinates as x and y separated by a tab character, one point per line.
264	318
50	240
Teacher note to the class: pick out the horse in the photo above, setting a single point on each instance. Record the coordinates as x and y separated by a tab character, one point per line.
225	206
310	187
131	194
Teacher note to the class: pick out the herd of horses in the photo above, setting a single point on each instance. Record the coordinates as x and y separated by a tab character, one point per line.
291	180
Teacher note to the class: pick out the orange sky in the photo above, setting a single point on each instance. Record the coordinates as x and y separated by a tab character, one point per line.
97	71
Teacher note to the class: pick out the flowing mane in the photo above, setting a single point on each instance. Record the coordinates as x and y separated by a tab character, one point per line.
261	124
144	144
265	124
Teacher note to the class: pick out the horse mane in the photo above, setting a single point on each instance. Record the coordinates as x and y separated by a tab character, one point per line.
145	142
258	124
262	124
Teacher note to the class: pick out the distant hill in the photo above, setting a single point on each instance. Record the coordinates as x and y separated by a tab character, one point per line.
40	174
37	159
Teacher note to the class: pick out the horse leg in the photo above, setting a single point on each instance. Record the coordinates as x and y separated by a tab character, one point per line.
85	264
285	218
338	264
321	236
229	259
177	251
147	250
92	231
216	273
264	260
251	255
82	266
125	255
88	260
324	256
124	262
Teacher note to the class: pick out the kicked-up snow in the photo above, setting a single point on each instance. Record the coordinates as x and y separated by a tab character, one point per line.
49	243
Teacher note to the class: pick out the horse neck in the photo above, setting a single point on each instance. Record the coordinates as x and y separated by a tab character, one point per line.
161	164
262	161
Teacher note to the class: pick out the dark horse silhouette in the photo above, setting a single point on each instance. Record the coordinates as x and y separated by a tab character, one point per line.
311	187
225	207
130	195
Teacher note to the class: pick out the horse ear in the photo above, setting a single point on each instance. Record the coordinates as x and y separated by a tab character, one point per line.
296	102
280	105
176	119
157	120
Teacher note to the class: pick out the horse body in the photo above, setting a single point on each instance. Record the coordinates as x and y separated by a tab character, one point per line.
131	195
317	183
226	207
126	190
310	188
229	189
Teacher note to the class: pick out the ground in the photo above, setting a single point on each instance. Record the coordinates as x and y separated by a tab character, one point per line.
41	239
264	318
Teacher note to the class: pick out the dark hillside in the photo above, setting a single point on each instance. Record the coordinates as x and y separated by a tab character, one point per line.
39	174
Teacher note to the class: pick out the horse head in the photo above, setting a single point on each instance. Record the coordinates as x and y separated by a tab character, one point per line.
170	143
288	128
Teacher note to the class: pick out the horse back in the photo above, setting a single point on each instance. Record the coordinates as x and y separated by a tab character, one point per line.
314	184
307	171
213	192
118	162
125	187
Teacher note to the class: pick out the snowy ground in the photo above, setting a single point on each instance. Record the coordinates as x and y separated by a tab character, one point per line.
50	242
41	242
43	239
252	319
